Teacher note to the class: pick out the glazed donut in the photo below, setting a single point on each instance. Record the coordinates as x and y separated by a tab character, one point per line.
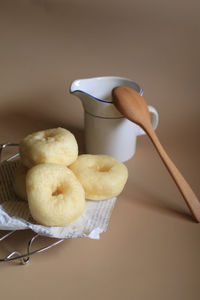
19	182
56	145
101	176
55	196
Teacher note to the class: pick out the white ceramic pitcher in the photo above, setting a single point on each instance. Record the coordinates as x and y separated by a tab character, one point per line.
106	130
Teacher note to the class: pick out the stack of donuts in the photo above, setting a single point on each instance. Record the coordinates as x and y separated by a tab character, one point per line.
56	181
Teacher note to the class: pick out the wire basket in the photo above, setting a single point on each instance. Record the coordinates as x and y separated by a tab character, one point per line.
23	258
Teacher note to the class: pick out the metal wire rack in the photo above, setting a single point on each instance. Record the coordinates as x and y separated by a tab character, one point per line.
23	258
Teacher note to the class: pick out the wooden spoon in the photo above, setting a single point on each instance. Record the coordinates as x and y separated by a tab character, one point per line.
134	108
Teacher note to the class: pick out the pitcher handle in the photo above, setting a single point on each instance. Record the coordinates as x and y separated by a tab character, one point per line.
154	119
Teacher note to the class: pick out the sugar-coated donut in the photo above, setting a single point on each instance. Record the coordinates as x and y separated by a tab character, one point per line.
56	145
101	176
55	196
19	182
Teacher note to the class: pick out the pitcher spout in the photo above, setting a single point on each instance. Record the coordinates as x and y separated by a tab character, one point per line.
74	87
80	89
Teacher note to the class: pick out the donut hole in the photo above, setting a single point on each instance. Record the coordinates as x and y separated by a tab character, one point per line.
45	137
104	169
49	137
100	168
57	191
60	190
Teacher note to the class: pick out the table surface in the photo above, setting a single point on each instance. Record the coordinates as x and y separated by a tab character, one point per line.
151	249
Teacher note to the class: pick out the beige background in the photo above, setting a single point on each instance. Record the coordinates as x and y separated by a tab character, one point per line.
152	247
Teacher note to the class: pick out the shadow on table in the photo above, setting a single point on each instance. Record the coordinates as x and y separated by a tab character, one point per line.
146	198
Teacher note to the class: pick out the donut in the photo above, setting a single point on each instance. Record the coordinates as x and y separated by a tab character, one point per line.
101	176
55	196
19	182
56	145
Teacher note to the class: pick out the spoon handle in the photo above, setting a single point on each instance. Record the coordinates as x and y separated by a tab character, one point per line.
185	189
